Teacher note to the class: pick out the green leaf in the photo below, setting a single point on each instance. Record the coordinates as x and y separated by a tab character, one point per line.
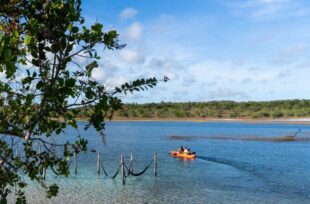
70	27
52	190
75	29
15	34
55	47
28	39
7	54
39	85
10	69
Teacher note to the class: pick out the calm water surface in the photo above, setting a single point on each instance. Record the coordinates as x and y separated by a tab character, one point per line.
226	171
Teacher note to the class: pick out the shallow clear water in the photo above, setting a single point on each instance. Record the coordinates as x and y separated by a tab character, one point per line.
226	171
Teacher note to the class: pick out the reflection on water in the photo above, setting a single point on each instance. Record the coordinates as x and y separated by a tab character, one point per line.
225	171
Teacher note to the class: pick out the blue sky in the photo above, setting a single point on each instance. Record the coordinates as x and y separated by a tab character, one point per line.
210	49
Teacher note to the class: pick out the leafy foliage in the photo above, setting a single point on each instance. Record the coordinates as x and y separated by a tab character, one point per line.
216	109
45	88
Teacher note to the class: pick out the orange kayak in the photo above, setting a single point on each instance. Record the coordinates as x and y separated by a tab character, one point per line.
182	155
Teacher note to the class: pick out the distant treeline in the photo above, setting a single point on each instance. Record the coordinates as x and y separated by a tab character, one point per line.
217	109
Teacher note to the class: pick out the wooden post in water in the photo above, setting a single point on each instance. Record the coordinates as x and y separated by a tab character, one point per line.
123	169
44	172
98	163
131	158
155	164
75	161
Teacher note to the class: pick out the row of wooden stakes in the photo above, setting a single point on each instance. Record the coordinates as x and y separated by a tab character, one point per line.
122	164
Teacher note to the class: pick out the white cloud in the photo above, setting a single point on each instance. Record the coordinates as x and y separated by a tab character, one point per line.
271	9
80	60
128	13
171	75
284	74
98	74
272	1
289	54
304	65
209	70
188	80
131	56
116	81
134	31
2	76
163	24
247	80
224	93
168	62
264	3
180	95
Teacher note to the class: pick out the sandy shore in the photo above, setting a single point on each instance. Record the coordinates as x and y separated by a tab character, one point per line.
305	121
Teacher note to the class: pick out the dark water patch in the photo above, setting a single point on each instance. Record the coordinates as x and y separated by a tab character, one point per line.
287	138
259	171
183	138
243	166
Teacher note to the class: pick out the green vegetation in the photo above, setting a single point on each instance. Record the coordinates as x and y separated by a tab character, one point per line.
217	109
41	42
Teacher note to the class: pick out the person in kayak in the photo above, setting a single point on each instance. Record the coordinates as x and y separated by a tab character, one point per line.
181	149
187	151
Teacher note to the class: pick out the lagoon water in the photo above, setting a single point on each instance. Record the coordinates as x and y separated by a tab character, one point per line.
226	171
